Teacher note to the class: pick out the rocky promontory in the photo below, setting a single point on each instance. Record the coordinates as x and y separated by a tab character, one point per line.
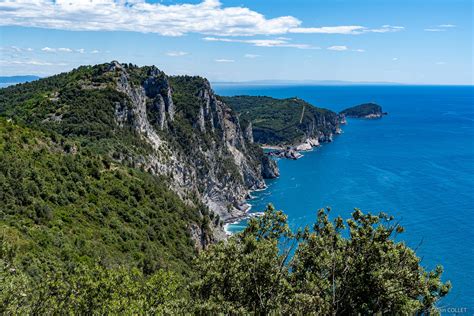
366	111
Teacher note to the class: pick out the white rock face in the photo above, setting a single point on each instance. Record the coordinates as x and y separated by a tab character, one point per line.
308	144
138	110
304	147
219	170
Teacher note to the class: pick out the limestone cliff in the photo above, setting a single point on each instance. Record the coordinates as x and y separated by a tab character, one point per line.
196	139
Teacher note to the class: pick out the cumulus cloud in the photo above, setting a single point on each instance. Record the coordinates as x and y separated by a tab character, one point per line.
278	42
208	17
223	60
339	48
177	54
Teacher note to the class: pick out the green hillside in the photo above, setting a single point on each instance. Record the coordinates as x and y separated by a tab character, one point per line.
62	204
283	121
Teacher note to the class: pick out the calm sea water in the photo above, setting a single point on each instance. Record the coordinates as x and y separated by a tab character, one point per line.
417	164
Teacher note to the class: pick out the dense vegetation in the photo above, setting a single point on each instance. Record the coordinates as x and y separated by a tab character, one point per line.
363	110
63	205
335	267
85	230
72	192
282	121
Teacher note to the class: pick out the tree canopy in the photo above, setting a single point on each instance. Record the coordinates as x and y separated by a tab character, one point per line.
337	267
352	266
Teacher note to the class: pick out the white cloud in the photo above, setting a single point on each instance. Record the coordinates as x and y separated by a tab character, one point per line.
251	56
395	58
30	62
177	54
339	48
225	60
208	17
95	51
55	50
440	63
16	49
387	28
261	42
359	50
440	28
81	50
447	25
348	29
48	49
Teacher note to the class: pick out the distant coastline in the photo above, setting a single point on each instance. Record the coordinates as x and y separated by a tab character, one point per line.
305	82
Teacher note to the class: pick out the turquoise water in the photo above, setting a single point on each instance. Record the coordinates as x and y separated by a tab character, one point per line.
417	164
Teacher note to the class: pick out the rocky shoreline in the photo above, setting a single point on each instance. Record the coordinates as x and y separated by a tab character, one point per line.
288	152
294	151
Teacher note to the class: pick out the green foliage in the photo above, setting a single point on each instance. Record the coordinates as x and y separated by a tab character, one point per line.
363	110
246	274
334	270
64	205
186	90
282	121
88	290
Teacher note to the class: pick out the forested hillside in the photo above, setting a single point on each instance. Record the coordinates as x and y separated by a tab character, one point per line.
284	121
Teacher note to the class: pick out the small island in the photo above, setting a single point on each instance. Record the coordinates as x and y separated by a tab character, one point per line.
366	111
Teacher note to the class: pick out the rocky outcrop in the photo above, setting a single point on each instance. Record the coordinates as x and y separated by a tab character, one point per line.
308	144
196	140
366	111
289	153
249	133
269	168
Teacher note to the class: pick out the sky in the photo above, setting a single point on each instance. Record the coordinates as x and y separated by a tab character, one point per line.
400	41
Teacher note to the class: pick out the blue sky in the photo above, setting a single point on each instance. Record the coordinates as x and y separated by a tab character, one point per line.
405	41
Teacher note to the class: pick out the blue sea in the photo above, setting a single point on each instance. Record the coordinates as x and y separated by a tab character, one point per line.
417	164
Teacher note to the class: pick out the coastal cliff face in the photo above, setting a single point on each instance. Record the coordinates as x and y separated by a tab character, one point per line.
195	137
285	122
167	126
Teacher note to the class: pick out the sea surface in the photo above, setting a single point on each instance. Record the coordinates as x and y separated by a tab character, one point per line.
417	164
